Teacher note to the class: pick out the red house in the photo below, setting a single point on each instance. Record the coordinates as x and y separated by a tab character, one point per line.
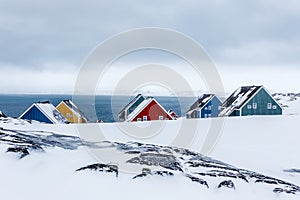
149	109
173	114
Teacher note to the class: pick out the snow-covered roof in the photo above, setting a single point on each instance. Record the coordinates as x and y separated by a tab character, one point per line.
75	109
201	101
2	114
141	107
132	102
49	111
238	99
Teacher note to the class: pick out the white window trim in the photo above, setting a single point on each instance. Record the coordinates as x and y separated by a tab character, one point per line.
139	119
249	107
269	106
145	118
254	106
161	117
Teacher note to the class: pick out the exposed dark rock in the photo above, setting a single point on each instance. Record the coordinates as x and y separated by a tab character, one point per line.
228	174
284	190
39	139
198	180
22	151
193	165
292	170
147	172
101	168
228	184
156	159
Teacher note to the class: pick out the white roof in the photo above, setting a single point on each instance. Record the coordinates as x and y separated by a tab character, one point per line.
138	109
74	109
238	98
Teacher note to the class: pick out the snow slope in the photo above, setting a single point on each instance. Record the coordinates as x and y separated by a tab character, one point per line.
266	145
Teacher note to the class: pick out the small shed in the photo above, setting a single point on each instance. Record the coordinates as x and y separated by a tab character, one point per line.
206	106
173	114
250	100
71	112
44	112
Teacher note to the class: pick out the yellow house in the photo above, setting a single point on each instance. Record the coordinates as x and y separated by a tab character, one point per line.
70	111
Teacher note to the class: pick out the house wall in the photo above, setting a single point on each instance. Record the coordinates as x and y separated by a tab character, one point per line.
152	111
68	114
262	98
211	109
35	114
235	113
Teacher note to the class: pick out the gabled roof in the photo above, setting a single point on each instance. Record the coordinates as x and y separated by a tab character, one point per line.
201	101
143	105
237	99
74	109
173	114
49	111
132	102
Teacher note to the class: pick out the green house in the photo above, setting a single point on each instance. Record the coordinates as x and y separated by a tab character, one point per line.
250	100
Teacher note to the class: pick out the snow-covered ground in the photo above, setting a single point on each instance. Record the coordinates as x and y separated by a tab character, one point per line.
260	149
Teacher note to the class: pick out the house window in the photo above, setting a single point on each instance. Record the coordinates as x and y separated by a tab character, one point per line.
254	105
161	117
209	115
269	106
205	116
68	115
249	106
144	118
274	107
166	118
209	107
139	119
205	108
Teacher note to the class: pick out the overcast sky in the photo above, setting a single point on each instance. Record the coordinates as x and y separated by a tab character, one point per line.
43	43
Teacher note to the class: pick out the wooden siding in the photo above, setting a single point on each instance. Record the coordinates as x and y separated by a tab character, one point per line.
35	114
211	109
152	111
68	113
258	105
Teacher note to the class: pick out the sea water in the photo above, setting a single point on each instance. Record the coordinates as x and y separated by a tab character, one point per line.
103	107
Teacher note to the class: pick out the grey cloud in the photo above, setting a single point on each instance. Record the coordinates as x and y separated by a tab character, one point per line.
33	32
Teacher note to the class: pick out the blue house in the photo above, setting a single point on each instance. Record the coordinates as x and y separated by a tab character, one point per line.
250	100
44	112
208	105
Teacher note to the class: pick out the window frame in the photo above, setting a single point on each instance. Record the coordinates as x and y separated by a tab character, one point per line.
269	106
145	118
254	106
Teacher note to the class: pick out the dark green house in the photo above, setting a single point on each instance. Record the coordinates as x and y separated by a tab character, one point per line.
250	100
